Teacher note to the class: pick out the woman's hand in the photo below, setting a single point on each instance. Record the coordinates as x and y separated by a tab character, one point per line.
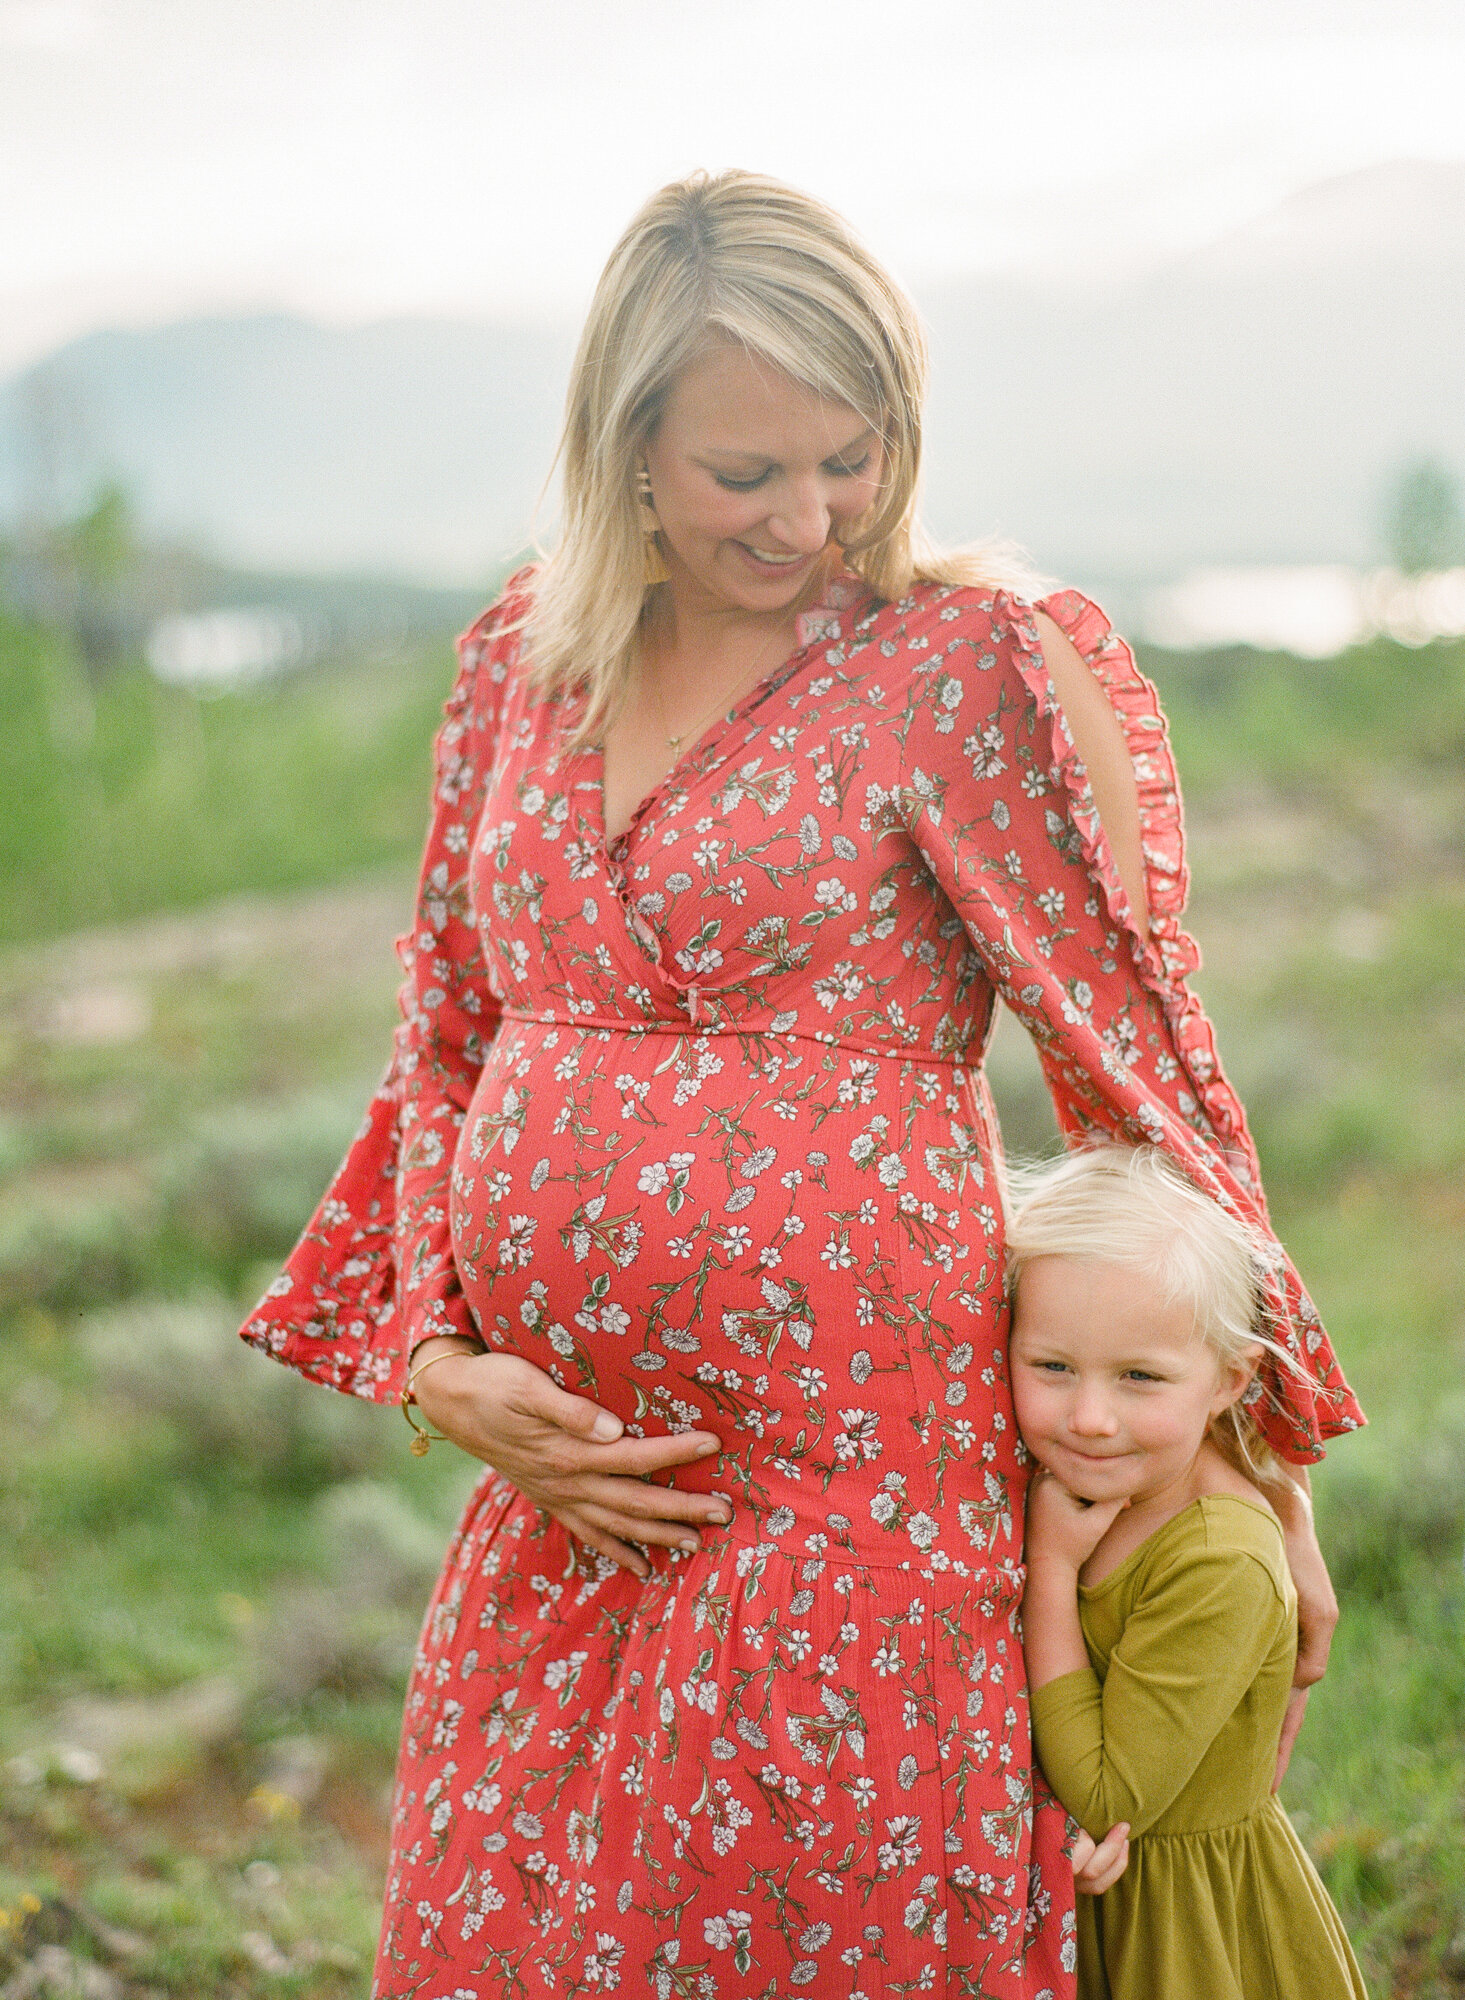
566	1454
1317	1606
1098	1867
1062	1528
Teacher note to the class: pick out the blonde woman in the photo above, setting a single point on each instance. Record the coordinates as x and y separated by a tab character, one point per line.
677	1206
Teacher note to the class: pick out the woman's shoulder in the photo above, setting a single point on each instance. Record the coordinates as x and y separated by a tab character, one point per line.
496	629
1042	631
489	652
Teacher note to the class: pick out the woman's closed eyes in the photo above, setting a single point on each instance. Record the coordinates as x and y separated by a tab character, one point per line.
838	470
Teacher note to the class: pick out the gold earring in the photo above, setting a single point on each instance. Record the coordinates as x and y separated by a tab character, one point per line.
654	562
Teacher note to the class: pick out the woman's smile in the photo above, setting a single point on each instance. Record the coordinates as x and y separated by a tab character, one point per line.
756	479
781	566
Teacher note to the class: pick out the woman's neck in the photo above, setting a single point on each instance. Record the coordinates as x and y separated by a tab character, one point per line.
707	641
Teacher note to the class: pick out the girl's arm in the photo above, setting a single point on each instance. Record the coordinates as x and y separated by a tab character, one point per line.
1062	1533
1125	1750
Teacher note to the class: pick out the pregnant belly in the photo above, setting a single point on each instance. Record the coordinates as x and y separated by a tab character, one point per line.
718	1233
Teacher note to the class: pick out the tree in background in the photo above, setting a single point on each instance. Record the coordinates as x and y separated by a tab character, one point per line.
80	575
1426	530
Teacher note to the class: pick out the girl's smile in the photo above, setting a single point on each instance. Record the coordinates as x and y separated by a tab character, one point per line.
1114	1390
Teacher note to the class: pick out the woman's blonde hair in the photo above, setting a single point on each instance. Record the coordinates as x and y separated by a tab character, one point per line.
1133	1206
746	258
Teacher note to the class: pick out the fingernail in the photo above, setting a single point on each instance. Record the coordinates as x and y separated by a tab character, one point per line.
721	1515
708	1446
606	1428
687	1548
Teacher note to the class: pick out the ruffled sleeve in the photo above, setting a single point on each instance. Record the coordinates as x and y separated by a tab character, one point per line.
373	1273
1000	804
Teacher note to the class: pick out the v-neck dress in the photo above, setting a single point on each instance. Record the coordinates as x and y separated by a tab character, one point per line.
696	1121
1174	1728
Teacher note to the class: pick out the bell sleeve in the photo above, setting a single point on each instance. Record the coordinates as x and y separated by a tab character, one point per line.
999	803
373	1274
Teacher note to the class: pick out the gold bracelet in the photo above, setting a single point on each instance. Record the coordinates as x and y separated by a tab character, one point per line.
421	1439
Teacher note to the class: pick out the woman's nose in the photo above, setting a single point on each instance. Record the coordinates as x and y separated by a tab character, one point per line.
802	521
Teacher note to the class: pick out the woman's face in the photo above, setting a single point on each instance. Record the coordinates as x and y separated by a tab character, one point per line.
751	474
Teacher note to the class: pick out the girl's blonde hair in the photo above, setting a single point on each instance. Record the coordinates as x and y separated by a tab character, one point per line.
1133	1206
745	258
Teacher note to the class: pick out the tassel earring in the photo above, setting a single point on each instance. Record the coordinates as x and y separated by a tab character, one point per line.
655	570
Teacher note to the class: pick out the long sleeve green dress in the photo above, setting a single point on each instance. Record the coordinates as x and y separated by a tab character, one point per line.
1174	1728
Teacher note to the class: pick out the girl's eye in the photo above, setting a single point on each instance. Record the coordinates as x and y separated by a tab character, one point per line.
1141	1375
851	471
740	485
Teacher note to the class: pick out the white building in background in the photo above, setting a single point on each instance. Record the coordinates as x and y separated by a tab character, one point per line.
1315	612
215	651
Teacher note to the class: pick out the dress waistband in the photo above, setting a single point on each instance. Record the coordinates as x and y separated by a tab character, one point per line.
706	1031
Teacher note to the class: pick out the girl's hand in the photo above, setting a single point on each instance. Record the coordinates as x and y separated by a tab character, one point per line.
567	1455
1097	1868
1062	1529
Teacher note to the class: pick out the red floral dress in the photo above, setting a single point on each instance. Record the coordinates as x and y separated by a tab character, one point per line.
696	1121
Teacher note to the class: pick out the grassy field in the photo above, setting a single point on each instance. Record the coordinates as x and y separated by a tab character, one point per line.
214	1572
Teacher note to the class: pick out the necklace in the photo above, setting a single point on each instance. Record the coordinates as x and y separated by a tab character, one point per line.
724	702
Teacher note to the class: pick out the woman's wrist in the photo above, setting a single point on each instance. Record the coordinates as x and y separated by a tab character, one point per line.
1291	1498
431	1367
441	1343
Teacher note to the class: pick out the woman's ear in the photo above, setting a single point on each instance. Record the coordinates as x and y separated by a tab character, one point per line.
1233	1378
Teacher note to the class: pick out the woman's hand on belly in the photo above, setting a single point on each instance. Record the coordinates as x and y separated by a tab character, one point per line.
569	1456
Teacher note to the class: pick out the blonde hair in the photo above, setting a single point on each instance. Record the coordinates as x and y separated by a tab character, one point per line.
1134	1206
743	257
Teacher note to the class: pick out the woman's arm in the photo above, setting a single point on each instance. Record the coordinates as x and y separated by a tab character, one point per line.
1100	742
996	788
566	1454
1317	1605
372	1275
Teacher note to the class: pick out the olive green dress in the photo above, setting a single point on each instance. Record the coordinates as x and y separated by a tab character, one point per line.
1193	1640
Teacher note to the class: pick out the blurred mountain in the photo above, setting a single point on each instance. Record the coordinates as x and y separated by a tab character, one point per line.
1248	402
1251	402
417	447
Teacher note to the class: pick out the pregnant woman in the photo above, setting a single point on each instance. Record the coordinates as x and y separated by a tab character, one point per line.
679	1200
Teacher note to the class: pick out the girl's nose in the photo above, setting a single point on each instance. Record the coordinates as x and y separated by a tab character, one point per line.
1092	1415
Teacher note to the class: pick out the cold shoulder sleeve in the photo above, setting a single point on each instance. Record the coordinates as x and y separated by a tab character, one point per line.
373	1273
998	800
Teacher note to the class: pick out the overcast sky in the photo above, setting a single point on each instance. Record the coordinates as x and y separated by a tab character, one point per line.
354	158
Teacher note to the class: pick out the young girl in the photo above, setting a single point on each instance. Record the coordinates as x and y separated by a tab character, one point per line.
1159	1615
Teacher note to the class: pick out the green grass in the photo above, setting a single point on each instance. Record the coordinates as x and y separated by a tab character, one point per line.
174	1093
126	796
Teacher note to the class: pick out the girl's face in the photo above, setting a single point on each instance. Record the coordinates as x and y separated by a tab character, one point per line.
1114	1390
751	475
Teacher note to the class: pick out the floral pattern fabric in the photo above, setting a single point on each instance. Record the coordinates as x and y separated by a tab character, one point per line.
696	1121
